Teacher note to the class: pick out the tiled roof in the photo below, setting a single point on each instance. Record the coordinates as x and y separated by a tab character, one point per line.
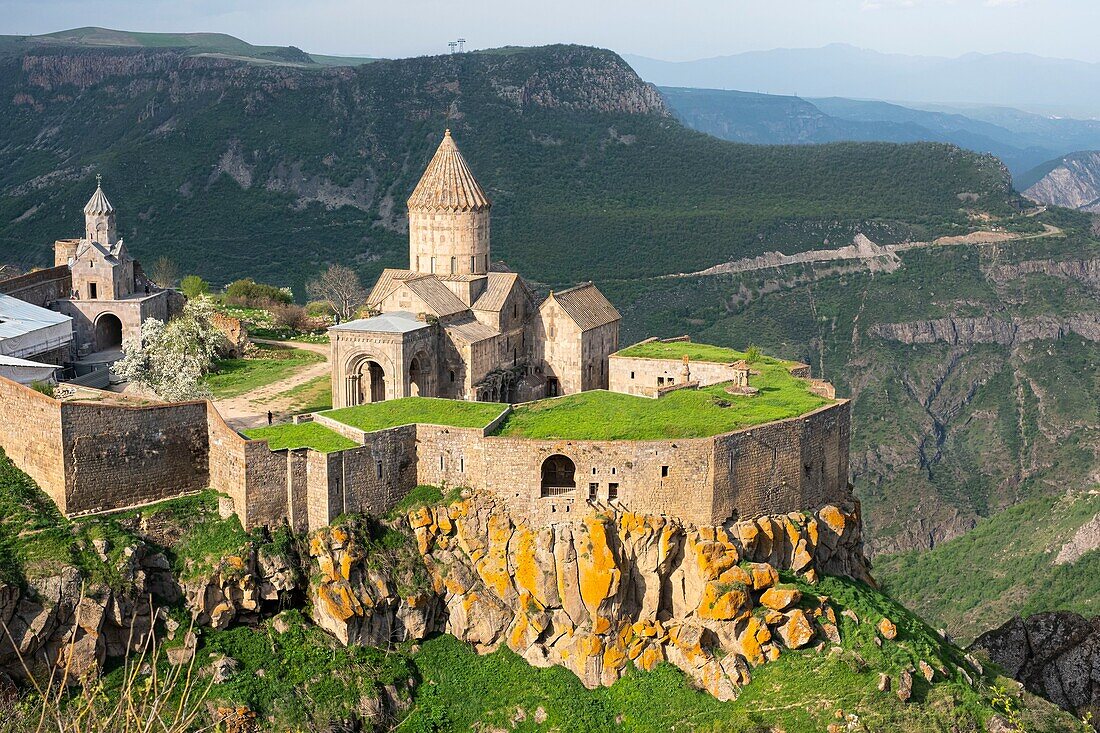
436	296
387	281
448	184
470	331
396	322
98	203
497	289
587	306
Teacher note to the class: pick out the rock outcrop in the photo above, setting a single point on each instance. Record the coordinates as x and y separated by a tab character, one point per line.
1055	655
1074	183
1085	539
601	591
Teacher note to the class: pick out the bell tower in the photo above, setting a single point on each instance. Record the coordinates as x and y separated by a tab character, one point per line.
99	217
449	217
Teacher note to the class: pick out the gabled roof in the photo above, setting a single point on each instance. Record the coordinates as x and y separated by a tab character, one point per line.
396	322
448	184
98	203
436	296
586	306
387	281
497	289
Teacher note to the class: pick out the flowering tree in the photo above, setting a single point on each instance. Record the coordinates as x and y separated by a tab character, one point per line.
170	359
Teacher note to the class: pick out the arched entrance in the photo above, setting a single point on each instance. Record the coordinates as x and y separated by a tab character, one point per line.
418	376
558	476
108	332
372	383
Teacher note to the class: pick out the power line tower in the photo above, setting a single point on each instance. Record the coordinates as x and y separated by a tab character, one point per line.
451	45
461	45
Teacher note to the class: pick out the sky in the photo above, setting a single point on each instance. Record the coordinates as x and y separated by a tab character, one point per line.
674	30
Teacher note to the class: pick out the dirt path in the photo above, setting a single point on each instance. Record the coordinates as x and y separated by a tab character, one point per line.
249	410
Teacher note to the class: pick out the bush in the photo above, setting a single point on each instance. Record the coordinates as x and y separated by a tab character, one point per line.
193	286
44	387
256	295
292	316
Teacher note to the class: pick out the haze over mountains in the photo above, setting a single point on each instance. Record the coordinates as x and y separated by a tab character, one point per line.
1034	83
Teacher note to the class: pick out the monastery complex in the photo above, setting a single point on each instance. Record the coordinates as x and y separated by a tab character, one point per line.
460	376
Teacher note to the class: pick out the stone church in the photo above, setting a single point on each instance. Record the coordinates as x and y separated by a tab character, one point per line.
457	325
110	297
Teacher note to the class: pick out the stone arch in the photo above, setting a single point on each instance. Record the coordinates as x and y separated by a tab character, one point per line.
420	382
108	331
559	475
366	376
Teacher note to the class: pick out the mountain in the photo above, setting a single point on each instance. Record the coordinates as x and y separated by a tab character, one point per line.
1023	140
1055	86
586	168
197	44
1072	182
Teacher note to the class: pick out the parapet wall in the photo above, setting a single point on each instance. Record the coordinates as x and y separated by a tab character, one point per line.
41	286
30	434
638	376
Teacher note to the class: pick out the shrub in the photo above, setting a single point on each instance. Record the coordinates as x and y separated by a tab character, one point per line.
292	316
44	387
193	286
257	295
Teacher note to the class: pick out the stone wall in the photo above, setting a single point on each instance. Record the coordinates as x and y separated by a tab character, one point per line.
41	286
119	456
30	434
638	376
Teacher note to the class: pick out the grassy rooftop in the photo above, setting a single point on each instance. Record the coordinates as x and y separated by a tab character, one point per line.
685	413
679	349
423	410
305	435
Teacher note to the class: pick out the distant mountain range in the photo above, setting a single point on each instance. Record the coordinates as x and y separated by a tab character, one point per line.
1034	83
1023	140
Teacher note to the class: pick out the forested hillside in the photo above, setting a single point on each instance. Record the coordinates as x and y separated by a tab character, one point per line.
276	171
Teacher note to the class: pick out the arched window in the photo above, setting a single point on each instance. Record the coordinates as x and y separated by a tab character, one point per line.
454	265
558	476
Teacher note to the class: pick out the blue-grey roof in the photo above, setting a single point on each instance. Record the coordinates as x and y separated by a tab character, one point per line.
17	317
396	322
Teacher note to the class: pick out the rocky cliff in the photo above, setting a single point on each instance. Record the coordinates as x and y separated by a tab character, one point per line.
1056	655
1073	183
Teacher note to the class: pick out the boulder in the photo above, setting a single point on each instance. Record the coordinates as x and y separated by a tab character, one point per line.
797	631
887	628
780	599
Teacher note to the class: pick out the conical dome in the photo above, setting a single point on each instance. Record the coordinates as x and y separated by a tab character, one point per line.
448	184
98	203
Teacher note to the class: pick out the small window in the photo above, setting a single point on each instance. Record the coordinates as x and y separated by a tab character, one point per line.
454	265
553	333
441	464
664	471
632	375
462	465
593	490
378	468
593	470
452	376
515	310
614	471
660	381
473	267
433	265
92	291
612	492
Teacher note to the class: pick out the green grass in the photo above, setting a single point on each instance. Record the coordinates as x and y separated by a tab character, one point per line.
305	435
238	376
312	396
423	410
685	413
1016	572
679	349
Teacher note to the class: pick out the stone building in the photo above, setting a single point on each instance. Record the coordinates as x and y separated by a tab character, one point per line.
109	296
457	325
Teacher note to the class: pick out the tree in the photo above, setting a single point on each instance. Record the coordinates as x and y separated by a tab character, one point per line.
193	286
164	271
339	286
170	359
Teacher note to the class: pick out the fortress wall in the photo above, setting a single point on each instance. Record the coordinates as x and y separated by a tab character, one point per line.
41	286
30	434
119	456
227	459
790	465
